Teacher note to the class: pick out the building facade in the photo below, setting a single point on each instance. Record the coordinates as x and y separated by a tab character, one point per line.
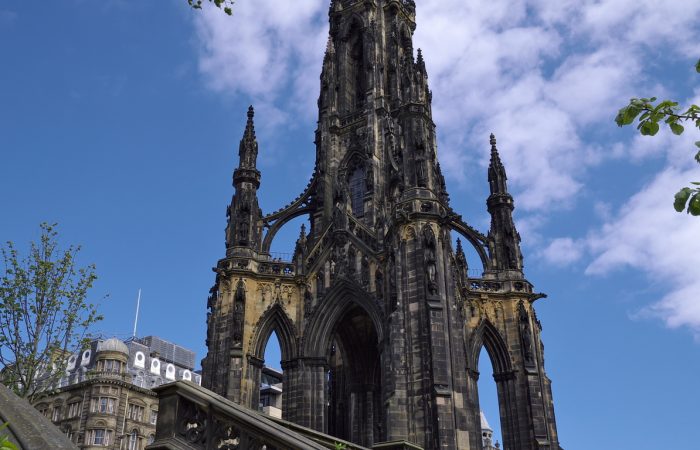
104	399
271	392
378	314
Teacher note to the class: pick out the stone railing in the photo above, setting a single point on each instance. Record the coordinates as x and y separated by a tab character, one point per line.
191	417
27	428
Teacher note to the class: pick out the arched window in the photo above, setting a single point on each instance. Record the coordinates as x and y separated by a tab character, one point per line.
133	440
356	184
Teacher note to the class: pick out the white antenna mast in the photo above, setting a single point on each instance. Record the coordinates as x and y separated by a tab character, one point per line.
136	319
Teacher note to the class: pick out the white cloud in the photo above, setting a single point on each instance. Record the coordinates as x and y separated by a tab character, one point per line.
265	50
649	236
563	251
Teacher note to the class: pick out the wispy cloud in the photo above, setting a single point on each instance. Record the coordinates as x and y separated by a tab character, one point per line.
267	50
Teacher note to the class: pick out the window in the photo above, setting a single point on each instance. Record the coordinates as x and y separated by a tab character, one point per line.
56	414
139	360
154	416
103	405
43	410
357	191
73	410
109	390
151	439
133	440
109	365
135	412
99	437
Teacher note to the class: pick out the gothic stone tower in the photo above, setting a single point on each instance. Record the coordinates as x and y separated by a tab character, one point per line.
380	325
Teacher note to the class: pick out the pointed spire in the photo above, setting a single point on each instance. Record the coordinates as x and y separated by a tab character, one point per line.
248	149
497	172
330	49
302	234
461	259
420	62
505	240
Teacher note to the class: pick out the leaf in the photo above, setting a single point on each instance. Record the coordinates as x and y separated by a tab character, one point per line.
681	199
694	205
697	66
649	128
627	115
697	156
676	128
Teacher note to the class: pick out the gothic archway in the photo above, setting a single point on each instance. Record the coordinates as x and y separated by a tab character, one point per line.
346	333
488	337
274	320
353	382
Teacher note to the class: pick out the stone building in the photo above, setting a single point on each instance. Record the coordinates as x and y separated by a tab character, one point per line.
271	392
105	401
487	435
380	318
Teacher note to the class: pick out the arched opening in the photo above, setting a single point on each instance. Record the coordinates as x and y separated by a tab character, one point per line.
271	380
473	267
355	74
353	379
283	243
494	371
488	404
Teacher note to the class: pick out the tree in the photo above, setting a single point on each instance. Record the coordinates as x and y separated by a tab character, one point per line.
649	115
44	313
197	4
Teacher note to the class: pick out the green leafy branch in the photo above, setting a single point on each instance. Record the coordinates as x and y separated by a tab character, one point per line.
5	442
44	312
226	5
650	116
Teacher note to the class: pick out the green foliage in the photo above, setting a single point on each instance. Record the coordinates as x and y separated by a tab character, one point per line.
339	446
5	443
226	5
44	313
650	116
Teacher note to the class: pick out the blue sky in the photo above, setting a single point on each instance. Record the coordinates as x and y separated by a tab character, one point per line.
121	120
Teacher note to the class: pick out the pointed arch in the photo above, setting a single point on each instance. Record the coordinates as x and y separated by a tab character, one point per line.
355	22
487	335
274	319
343	296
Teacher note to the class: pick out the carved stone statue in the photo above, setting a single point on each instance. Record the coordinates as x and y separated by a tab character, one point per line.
429	252
238	313
525	334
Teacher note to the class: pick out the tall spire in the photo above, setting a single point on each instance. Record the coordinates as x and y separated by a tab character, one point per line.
244	213
248	149
497	173
504	239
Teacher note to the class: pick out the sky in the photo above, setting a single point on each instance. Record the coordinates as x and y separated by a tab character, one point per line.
120	121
